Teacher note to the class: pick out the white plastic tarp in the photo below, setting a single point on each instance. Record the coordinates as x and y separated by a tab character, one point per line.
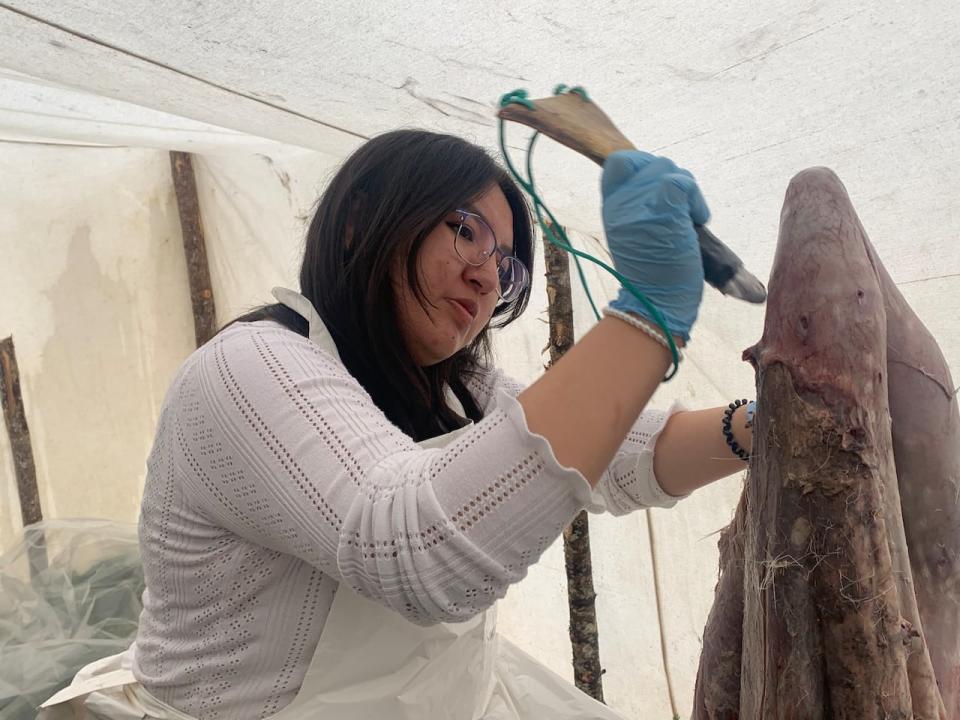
271	95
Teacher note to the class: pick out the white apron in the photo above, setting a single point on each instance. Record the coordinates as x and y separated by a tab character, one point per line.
370	663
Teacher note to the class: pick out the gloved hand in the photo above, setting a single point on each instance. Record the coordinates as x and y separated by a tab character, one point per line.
649	209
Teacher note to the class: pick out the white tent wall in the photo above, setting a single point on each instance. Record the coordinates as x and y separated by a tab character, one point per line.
95	295
102	319
93	281
255	211
96	299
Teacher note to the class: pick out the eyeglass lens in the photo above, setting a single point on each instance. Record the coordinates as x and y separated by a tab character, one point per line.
475	242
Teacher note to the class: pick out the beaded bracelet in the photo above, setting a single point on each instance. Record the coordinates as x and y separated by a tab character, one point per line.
638	323
728	432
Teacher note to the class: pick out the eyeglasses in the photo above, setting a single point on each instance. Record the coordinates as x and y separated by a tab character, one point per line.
475	242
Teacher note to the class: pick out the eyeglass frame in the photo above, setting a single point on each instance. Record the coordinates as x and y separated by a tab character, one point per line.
496	251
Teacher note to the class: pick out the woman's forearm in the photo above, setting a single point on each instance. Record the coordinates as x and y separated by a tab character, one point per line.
586	404
691	451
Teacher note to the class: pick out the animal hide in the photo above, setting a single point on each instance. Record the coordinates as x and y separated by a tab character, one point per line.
838	594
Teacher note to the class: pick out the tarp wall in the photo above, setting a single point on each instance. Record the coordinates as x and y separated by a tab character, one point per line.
101	319
272	96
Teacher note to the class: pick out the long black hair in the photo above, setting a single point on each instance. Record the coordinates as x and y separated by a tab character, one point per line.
376	212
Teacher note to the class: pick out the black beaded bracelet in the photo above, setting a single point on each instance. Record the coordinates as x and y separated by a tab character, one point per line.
728	432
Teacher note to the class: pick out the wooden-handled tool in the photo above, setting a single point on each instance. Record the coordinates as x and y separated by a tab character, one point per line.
575	121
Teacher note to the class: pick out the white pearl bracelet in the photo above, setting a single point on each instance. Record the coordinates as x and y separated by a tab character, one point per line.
640	324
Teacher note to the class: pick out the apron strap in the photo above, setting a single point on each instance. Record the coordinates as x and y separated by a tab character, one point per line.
305	309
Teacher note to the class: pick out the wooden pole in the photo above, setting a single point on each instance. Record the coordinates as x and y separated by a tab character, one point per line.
16	421
658	596
194	246
581	597
15	418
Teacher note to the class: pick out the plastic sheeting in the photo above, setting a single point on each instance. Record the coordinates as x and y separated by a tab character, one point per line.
96	296
69	594
744	94
36	111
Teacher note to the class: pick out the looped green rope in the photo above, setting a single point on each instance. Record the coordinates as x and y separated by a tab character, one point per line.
518	97
579	90
555	233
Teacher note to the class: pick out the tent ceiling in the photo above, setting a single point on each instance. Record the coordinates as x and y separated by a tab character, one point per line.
33	110
745	94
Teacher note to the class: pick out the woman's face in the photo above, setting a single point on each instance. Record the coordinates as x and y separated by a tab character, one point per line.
459	298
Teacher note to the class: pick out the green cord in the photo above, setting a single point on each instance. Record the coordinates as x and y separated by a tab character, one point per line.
551	232
536	207
561	89
519	97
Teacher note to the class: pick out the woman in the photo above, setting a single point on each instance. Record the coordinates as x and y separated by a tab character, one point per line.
341	487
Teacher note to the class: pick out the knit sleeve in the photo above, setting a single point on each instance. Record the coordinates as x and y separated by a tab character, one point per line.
280	445
629	482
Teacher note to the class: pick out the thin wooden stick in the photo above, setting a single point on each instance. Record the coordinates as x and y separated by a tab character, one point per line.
194	246
15	418
581	597
658	595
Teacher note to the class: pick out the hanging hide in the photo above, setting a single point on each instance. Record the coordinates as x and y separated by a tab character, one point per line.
838	594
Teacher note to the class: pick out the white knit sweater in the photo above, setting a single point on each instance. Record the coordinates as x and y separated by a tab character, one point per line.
274	477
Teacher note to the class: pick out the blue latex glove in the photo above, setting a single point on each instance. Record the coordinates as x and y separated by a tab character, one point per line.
649	209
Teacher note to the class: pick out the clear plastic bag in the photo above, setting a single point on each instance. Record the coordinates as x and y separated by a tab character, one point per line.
69	594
